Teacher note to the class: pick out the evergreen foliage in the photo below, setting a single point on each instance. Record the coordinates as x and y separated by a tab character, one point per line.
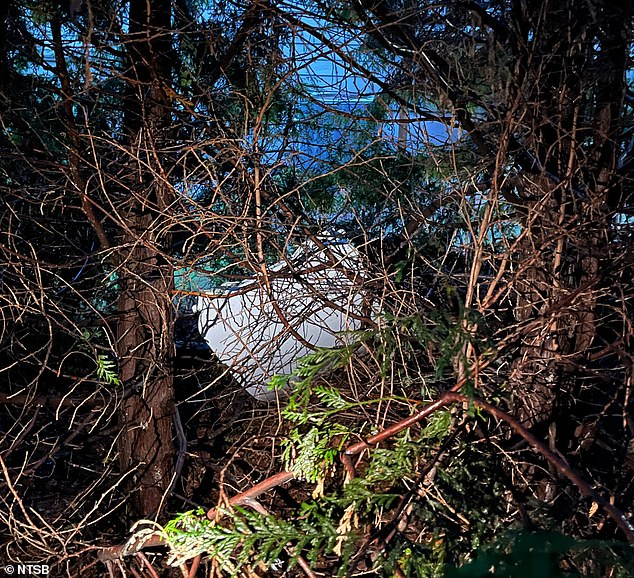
480	157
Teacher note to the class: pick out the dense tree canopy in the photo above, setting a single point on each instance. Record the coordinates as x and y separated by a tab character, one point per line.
479	155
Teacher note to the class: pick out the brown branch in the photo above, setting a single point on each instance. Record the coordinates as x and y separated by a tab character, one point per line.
387	433
193	570
27	429
450	397
243	498
146	563
75	146
559	463
120	550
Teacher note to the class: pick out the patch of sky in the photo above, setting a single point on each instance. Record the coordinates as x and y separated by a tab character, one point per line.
329	60
319	51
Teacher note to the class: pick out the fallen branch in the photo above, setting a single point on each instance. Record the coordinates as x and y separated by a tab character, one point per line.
450	397
244	498
387	433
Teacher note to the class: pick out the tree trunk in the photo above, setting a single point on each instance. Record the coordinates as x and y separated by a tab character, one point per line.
145	337
565	254
145	346
548	286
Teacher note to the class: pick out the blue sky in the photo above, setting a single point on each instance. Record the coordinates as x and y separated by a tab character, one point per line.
333	82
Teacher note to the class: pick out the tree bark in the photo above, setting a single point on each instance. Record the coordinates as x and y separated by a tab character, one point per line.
145	347
145	337
565	255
